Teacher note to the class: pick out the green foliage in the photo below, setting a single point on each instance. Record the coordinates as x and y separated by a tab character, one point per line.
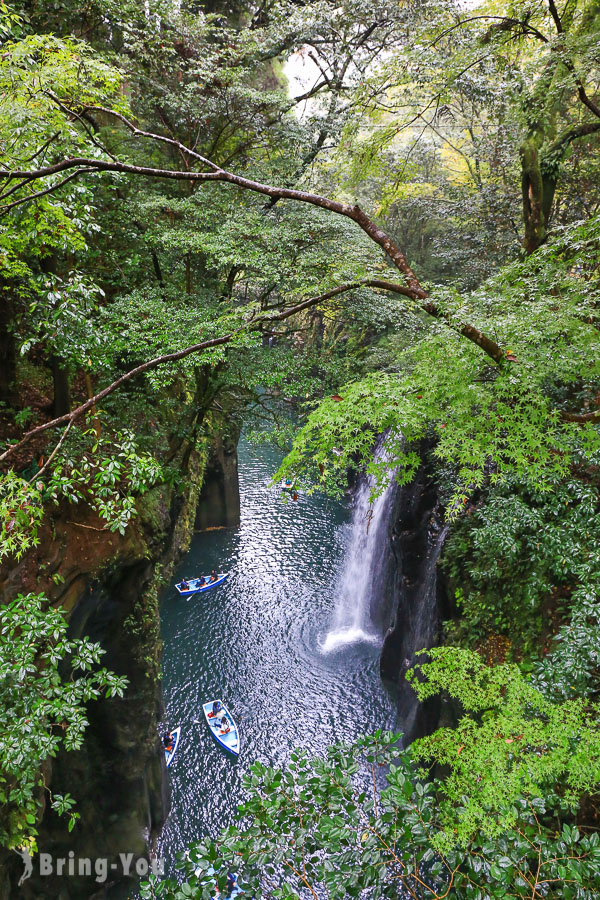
488	421
510	742
523	556
21	513
338	826
39	73
10	21
45	683
433	134
61	319
107	472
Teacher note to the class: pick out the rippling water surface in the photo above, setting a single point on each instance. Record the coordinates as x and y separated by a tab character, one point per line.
256	643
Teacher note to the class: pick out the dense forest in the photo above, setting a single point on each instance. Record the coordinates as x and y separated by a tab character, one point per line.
320	222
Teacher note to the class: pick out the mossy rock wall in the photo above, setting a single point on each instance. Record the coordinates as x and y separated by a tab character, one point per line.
109	585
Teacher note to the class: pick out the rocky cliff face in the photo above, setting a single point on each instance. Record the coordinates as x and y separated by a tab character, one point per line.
219	500
109	586
413	593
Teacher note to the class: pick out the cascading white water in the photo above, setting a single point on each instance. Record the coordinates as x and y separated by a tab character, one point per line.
366	554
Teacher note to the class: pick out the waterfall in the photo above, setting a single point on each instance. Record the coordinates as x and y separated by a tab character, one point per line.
366	559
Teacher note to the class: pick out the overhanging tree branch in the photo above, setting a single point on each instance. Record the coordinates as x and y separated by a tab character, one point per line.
562	142
41	193
216	173
581	418
254	325
70	418
347	210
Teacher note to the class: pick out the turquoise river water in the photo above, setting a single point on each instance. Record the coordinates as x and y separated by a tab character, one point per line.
257	642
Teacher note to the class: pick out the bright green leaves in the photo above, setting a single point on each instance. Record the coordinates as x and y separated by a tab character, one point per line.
41	77
45	683
488	421
346	425
37	75
510	742
107	471
21	513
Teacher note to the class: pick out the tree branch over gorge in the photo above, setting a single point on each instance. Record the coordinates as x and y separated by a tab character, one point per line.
254	324
414	289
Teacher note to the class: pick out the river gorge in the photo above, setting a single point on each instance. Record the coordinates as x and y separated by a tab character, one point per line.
268	643
323	598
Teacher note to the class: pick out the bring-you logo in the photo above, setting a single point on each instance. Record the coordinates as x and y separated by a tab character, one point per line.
99	867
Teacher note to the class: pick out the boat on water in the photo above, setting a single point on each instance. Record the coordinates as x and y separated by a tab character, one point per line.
233	887
288	485
200	584
222	726
169	754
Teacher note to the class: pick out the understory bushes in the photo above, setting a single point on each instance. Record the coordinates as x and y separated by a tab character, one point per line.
524	568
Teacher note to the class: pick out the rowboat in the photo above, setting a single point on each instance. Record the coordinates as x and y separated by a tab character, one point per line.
227	737
169	754
288	485
205	879
199	585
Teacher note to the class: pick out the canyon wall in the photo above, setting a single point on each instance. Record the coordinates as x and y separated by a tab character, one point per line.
411	600
109	586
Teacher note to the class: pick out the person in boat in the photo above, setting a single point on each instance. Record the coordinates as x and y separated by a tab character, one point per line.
213	576
216	707
225	726
184	584
231	882
201	581
167	741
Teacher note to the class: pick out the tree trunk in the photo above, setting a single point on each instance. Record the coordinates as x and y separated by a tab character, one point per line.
538	188
62	390
533	195
8	356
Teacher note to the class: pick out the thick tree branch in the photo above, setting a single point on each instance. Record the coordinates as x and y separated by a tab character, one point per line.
70	418
254	325
555	16
572	134
354	212
344	209
581	418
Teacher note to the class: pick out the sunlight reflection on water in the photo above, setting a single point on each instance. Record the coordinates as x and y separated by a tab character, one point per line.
257	643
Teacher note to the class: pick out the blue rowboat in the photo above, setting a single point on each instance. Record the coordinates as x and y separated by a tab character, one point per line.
169	754
227	737
199	585
288	485
235	888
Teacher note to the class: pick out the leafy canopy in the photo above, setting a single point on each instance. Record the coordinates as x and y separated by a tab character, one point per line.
488	421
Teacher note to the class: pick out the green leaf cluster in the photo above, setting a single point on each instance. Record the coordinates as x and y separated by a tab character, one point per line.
46	681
